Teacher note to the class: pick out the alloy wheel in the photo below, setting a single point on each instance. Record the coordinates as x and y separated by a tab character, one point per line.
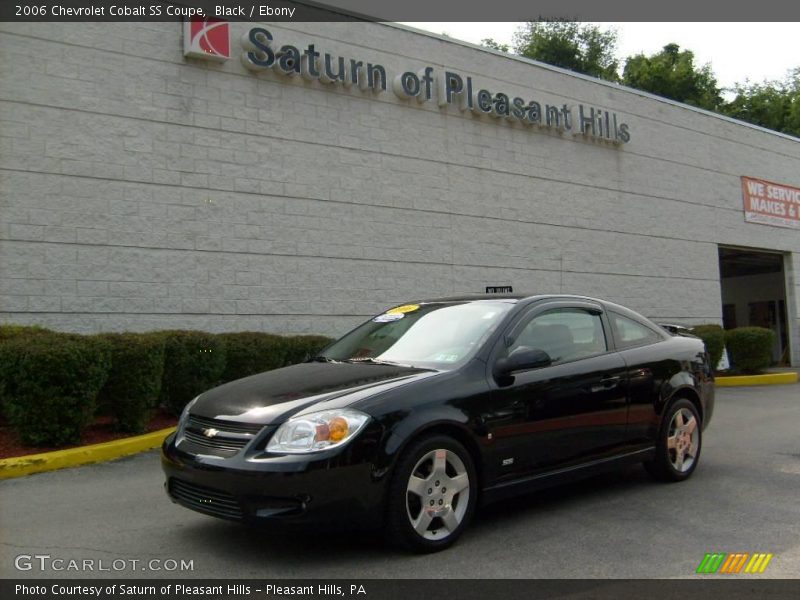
437	494
683	440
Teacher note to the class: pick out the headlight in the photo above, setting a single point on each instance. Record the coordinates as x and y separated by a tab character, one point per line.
185	414
317	431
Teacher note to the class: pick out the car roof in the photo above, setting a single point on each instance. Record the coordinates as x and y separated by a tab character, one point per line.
531	298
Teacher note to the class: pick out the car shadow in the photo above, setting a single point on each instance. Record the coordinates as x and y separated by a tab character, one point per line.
296	553
564	497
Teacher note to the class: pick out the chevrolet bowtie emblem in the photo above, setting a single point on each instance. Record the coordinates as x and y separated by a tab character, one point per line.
210	432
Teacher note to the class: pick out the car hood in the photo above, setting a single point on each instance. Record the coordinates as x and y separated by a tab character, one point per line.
274	396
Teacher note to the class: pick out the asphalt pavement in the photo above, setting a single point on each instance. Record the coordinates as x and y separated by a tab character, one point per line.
744	497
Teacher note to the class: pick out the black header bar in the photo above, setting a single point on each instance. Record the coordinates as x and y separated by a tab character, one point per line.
736	588
394	10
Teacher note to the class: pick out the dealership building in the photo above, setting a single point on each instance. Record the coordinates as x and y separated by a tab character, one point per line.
300	177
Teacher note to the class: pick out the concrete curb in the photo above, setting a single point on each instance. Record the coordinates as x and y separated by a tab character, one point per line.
768	379
84	455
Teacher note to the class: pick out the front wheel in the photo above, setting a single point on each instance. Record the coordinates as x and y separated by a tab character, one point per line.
432	495
679	442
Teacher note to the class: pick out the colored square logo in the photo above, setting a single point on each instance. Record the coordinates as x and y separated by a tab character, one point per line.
207	38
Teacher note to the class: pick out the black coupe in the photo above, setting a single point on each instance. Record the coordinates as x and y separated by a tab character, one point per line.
426	410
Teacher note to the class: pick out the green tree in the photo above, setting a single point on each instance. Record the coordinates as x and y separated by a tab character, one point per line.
494	45
671	73
771	104
581	47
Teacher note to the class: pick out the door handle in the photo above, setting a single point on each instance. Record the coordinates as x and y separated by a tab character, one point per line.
606	383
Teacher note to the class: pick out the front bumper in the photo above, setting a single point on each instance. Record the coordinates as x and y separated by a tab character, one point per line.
339	487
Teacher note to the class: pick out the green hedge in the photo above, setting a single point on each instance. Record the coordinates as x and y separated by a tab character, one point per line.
713	337
50	384
302	347
250	352
9	332
750	348
134	382
193	362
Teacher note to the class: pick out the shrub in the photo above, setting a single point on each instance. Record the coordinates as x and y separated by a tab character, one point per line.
713	337
193	362
9	332
134	380
248	353
51	383
750	348
302	347
13	332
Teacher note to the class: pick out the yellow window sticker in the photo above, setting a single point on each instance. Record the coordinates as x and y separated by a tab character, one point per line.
401	310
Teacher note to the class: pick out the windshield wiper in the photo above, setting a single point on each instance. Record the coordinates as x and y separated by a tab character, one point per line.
375	361
367	360
321	358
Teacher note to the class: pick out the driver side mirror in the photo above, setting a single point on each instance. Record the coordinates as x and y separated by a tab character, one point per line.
521	359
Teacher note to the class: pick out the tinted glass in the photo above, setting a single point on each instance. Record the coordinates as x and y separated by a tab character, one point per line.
629	333
437	335
565	334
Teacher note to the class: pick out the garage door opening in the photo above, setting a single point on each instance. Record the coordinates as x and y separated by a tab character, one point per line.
754	294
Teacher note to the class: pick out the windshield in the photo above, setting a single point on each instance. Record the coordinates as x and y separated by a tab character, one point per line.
438	335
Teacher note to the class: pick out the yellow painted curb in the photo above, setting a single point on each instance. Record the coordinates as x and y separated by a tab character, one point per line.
768	379
84	455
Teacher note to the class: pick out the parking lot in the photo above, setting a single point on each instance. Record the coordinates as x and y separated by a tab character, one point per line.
743	498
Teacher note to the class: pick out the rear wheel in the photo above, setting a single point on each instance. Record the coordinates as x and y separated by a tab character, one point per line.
432	495
679	443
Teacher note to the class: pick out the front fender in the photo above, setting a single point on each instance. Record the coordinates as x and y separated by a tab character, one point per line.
421	420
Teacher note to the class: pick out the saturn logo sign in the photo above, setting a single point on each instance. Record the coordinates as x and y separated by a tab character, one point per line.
210	432
206	38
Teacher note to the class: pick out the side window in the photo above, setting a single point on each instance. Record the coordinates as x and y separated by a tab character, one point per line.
630	333
565	334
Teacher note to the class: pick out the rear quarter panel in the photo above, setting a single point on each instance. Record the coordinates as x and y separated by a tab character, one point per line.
657	374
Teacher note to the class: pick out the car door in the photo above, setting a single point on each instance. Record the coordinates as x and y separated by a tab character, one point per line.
569	412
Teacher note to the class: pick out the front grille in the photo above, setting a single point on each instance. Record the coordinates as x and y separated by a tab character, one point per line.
217	436
215	443
205	500
223	425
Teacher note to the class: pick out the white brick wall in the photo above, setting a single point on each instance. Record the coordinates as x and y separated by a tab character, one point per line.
139	190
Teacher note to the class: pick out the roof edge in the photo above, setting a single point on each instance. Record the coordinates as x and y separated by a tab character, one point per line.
597	80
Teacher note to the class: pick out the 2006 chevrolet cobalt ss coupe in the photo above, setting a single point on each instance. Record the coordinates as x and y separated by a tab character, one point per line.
416	416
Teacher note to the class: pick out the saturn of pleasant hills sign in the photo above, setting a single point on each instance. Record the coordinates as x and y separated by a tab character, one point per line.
260	54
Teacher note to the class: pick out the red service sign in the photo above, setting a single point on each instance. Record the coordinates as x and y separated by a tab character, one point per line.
206	38
771	203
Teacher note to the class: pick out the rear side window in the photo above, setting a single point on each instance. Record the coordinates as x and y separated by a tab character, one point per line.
630	333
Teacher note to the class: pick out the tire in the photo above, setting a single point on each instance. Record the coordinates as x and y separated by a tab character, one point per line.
432	495
679	443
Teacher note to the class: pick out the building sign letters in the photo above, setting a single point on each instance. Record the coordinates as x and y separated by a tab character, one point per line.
446	88
771	203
